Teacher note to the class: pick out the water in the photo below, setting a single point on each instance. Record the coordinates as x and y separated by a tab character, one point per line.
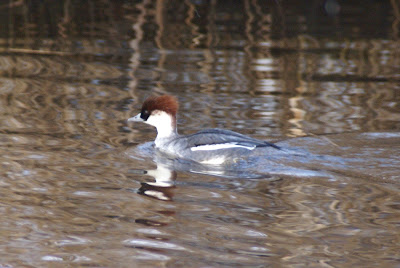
81	187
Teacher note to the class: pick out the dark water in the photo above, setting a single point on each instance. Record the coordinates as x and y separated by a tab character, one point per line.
80	187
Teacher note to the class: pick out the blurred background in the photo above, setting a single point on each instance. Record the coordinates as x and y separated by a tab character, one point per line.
287	68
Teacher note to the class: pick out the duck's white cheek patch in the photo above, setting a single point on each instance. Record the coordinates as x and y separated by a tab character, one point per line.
213	147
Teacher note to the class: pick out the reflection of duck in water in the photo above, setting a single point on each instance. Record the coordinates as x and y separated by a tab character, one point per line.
163	185
210	146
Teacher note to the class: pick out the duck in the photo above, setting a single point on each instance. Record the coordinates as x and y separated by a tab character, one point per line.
213	146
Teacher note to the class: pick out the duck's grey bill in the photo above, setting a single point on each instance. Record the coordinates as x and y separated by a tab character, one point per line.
136	118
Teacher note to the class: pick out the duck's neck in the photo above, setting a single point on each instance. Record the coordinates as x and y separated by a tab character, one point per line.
166	130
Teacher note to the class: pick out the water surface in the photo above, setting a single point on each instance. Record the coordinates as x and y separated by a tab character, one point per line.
81	187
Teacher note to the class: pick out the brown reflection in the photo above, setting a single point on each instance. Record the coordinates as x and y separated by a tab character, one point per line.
268	66
334	223
211	48
42	106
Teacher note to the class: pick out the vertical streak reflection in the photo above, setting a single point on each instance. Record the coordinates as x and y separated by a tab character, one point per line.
135	45
298	116
191	13
159	20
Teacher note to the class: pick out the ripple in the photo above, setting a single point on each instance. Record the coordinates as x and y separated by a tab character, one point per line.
152	244
72	240
52	258
62	68
145	255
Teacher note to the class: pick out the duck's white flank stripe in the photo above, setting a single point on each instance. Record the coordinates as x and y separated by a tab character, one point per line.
214	161
212	147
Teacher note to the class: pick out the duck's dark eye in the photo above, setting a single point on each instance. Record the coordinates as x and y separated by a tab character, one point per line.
144	114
